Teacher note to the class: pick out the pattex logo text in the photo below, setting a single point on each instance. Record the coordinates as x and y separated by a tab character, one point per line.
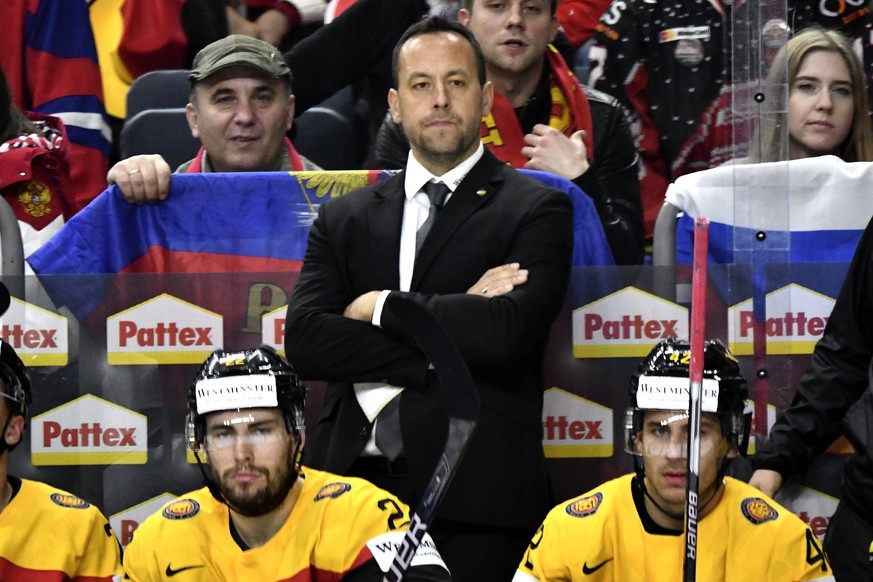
164	330
626	324
88	431
39	336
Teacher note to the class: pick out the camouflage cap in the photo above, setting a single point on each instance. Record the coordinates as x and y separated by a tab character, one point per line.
239	50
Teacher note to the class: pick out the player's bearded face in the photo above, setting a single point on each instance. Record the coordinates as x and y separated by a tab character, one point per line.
250	458
264	494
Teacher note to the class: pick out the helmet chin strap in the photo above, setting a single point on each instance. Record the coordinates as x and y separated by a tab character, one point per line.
4	446
209	481
641	483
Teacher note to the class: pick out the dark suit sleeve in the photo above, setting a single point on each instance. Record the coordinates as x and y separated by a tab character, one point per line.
323	344
837	376
493	333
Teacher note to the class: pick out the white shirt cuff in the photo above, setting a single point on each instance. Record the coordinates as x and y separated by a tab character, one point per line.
377	309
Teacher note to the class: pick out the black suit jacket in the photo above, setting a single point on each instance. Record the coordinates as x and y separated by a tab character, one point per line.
495	216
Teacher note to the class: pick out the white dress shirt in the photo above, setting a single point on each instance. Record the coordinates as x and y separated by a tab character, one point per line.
373	396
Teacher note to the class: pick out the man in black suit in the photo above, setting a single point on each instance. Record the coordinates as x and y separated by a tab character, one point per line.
493	268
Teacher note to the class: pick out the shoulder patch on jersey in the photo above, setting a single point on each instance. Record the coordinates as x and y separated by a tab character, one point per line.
67	500
586	506
182	509
332	490
757	510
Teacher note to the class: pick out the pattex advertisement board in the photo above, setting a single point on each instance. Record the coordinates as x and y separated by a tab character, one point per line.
39	337
626	324
164	330
88	431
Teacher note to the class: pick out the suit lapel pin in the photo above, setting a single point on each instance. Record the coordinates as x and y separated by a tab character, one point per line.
480	192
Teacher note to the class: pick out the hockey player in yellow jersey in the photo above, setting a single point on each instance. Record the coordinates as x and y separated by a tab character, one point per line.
632	528
46	534
262	515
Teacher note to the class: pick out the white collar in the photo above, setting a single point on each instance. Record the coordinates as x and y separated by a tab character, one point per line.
417	176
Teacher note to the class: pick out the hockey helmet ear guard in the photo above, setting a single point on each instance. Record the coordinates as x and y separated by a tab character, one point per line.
16	381
16	389
244	379
662	383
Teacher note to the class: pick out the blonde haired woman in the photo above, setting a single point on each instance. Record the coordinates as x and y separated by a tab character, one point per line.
826	102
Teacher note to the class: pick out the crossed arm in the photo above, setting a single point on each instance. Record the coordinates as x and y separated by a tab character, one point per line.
329	334
495	282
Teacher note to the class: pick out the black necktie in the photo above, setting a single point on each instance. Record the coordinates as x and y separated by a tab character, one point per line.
388	435
436	192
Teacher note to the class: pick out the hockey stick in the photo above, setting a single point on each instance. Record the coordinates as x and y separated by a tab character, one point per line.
698	326
5	299
462	405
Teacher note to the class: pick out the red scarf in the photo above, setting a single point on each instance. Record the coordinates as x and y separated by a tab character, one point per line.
501	133
196	166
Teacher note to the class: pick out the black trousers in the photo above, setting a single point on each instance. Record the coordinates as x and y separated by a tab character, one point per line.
847	545
480	553
473	552
391	476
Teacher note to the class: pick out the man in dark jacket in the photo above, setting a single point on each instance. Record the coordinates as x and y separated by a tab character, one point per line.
835	397
543	119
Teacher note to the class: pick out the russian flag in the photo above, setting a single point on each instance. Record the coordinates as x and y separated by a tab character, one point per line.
770	215
226	223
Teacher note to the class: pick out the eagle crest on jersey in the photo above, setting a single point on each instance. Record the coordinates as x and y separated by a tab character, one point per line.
585	506
332	490
67	500
181	509
758	511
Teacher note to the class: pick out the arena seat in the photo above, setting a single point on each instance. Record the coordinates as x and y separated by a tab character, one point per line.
166	89
159	131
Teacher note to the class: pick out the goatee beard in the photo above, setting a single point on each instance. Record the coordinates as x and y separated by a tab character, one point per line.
265	500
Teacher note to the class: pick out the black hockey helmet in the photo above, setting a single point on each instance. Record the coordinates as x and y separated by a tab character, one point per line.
16	380
16	389
236	380
663	380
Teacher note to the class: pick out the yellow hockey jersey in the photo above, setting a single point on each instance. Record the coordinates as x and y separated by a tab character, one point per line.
49	535
337	525
601	537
